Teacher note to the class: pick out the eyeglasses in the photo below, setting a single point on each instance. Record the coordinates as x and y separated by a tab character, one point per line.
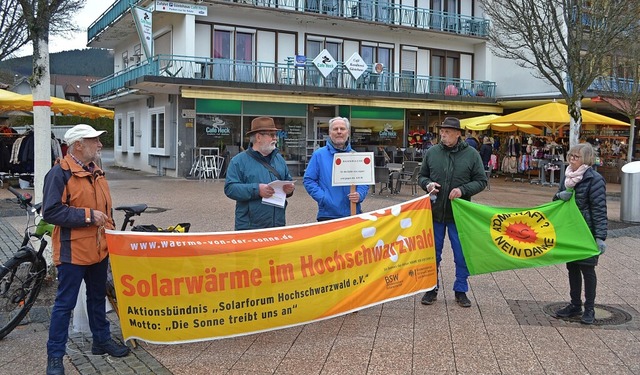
574	156
272	135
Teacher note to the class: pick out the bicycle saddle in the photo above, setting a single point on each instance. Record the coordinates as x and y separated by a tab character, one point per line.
135	209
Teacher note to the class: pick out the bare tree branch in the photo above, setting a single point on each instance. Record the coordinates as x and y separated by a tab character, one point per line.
620	86
13	28
565	42
43	17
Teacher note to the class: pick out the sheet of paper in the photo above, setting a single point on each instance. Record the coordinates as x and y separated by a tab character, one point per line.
278	198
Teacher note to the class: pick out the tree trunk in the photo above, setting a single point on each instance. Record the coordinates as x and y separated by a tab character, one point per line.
41	88
575	111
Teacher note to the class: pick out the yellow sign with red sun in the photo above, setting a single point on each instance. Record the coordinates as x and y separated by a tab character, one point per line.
187	287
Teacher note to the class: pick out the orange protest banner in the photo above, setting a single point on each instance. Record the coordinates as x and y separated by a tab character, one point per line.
187	287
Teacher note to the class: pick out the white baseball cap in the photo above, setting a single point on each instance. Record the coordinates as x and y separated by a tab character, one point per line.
81	131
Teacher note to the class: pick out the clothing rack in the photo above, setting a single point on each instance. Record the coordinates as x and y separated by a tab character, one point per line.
6	145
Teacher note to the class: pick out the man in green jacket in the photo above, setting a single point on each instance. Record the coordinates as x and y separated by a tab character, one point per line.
451	169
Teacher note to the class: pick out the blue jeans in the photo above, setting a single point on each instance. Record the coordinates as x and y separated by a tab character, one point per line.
70	277
462	273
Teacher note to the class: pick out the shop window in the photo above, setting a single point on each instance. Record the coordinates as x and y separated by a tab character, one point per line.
133	133
233	51
137	53
157	136
314	46
217	131
119	133
378	58
372	133
445	69
291	137
125	60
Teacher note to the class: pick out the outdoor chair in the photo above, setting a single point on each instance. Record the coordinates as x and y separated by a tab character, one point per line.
209	167
166	70
409	166
410	180
381	175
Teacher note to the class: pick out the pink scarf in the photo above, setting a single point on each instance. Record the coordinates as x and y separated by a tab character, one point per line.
571	177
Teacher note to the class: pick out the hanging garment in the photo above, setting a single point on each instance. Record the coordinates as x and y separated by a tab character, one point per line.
493	162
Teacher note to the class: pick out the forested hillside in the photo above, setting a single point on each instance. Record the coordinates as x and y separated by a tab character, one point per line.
87	62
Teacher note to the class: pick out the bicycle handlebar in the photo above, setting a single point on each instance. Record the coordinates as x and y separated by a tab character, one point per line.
24	199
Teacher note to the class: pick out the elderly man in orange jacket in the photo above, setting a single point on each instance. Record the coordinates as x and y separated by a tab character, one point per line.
77	201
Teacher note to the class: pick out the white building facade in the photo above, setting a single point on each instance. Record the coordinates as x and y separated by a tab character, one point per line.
395	69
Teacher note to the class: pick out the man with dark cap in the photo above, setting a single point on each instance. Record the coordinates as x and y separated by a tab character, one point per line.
249	174
451	169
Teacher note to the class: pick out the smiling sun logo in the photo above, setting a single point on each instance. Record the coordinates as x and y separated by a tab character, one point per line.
522	232
525	235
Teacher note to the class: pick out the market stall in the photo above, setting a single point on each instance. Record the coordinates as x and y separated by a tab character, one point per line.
608	135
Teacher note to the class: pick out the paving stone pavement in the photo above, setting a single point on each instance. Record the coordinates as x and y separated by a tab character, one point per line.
506	331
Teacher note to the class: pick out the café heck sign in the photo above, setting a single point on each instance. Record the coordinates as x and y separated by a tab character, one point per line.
353	168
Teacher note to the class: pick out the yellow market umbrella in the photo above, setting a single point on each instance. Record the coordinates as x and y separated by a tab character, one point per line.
529	129
18	102
8	95
481	123
553	116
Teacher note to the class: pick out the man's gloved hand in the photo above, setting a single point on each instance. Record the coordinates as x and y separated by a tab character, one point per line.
564	195
601	246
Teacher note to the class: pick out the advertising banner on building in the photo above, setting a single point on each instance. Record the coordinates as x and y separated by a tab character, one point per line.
187	287
356	65
325	63
144	25
182	8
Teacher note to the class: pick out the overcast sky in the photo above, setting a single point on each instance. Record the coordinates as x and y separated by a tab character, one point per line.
91	11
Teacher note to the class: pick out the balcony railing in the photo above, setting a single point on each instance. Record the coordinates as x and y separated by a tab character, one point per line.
383	11
289	76
116	10
380	11
614	85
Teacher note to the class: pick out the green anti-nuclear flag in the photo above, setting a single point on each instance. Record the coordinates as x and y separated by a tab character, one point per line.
498	238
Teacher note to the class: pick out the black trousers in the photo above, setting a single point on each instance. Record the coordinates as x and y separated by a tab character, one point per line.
576	273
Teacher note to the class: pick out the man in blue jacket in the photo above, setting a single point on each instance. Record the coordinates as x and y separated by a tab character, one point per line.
451	169
249	174
333	201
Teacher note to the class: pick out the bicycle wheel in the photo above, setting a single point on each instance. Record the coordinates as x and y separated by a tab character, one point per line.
20	283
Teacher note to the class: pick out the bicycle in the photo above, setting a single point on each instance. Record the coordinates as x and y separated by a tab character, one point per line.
21	276
129	212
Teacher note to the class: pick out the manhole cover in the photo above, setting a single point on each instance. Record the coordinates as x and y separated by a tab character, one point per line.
605	315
